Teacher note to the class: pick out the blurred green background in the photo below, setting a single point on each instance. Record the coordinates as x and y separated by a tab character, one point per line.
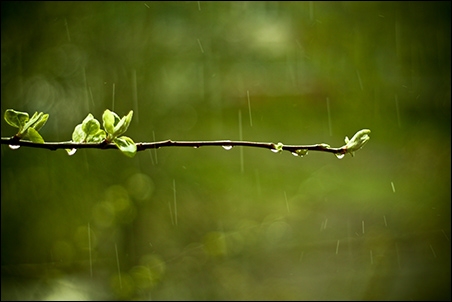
210	224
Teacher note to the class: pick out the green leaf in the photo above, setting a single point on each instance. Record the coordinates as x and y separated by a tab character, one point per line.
97	137
117	118
88	131
126	145
34	136
91	126
115	126
123	124
16	118
41	122
108	119
88	118
78	135
22	121
357	141
36	117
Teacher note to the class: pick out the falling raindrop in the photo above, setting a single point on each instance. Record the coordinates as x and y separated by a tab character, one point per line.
359	80
295	154
227	147
71	151
329	115
135	94
433	251
175	204
444	233
242	169
155	150
200	46
14	147
119	269
397	110
67	30
287	202
339	155
249	107
113	98
89	249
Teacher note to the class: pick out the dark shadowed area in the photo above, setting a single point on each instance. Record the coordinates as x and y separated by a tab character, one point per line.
244	224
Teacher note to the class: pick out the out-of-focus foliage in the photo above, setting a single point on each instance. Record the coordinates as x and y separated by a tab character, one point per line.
242	224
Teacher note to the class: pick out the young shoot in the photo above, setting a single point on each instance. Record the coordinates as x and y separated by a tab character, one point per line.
89	135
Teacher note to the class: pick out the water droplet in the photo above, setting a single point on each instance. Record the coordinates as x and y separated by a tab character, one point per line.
227	147
339	155
196	147
14	147
300	152
277	148
71	151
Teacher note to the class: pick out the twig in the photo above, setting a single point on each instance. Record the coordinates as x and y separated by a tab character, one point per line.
169	143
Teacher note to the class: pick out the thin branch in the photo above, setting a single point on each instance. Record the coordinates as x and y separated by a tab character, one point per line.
169	143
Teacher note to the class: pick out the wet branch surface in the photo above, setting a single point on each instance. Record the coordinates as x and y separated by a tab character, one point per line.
169	143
